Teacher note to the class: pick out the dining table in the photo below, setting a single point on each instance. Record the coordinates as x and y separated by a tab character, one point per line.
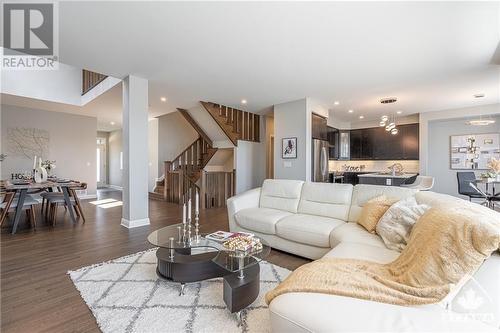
487	182
22	188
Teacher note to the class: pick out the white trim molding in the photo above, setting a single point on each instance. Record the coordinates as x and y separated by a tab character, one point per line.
115	187
134	223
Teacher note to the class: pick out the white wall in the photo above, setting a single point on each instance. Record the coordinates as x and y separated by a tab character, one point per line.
250	165
63	85
174	135
427	117
439	132
290	120
115	148
72	143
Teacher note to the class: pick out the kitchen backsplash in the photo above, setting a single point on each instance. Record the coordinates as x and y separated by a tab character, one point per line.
409	166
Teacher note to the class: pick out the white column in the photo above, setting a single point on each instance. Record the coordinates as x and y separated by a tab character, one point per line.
135	152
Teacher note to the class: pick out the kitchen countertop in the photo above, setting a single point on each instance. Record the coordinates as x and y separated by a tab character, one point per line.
388	175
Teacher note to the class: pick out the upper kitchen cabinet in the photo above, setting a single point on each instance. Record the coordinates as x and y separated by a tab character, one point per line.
334	143
319	127
410	141
377	144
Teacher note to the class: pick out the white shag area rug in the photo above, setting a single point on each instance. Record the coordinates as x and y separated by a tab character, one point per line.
126	295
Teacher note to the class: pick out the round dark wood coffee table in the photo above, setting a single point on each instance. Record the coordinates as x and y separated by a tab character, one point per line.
184	261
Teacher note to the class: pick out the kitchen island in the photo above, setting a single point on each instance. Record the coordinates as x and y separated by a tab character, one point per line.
386	178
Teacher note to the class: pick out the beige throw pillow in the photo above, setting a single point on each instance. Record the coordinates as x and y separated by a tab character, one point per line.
395	226
373	210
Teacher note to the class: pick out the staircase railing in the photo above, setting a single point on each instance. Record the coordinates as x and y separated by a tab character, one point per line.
236	124
216	188
90	80
184	171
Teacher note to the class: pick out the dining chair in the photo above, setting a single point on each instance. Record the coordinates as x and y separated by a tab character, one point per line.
55	199
11	204
6	202
465	179
422	183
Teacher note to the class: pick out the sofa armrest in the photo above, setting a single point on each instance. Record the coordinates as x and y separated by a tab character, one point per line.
248	199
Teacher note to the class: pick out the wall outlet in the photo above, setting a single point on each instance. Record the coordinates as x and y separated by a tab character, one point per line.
287	164
388	182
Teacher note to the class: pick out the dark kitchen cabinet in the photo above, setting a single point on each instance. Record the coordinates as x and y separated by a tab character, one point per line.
356	144
334	142
378	144
319	127
410	141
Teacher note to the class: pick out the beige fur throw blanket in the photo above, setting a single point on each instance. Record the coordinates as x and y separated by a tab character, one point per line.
446	244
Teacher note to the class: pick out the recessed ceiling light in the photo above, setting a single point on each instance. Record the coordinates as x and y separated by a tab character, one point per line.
336	103
480	95
361	117
350	111
243	101
399	112
112	122
163	99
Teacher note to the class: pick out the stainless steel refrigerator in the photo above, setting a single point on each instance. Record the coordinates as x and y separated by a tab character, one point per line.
320	161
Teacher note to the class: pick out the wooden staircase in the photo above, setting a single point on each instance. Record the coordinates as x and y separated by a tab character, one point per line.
236	124
184	171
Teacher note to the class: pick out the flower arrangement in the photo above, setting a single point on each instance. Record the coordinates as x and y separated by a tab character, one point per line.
49	165
494	165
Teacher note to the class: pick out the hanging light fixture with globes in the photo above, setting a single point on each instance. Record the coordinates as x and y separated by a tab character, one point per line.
389	122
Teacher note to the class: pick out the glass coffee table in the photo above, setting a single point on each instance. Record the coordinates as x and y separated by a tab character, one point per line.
184	261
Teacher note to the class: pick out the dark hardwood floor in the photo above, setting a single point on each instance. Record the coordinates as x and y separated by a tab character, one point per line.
36	293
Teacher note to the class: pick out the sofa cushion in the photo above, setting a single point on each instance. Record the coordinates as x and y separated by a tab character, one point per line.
360	251
324	199
307	229
363	193
260	219
354	233
281	194
314	312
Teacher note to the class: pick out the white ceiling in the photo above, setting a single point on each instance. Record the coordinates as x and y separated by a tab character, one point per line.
431	55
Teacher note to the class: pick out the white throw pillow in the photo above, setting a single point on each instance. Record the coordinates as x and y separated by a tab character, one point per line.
395	225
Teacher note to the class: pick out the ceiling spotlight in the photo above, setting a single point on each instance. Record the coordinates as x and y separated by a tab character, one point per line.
163	99
361	117
399	112
384	118
112	123
350	111
336	103
243	101
394	131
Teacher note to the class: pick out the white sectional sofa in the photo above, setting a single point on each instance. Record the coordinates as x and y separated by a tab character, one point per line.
316	220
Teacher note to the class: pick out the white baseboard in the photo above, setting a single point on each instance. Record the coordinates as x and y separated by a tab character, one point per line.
115	187
87	196
135	223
